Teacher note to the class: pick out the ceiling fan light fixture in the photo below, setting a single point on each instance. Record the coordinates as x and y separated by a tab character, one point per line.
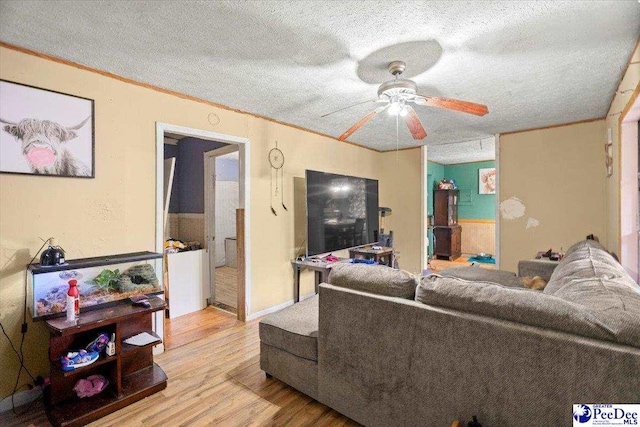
404	111
394	108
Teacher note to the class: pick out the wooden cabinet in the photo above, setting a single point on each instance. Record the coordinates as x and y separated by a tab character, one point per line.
445	207
447	233
448	242
131	372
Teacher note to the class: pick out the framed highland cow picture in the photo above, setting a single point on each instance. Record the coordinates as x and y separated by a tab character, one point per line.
487	181
43	132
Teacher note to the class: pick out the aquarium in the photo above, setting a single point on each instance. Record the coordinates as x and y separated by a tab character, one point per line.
102	281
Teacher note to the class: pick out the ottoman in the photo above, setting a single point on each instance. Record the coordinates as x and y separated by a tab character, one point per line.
289	345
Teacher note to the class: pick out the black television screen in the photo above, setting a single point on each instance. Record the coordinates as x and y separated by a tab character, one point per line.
342	212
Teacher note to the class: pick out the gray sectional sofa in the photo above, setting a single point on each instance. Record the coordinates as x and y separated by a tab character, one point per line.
386	351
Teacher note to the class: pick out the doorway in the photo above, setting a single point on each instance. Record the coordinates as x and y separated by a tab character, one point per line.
241	147
473	166
221	202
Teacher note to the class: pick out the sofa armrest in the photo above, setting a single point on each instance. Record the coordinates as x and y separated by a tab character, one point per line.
387	361
536	267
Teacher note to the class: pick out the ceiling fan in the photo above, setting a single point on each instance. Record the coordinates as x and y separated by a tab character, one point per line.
397	95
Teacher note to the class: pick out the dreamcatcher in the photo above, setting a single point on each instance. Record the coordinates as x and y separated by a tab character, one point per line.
276	160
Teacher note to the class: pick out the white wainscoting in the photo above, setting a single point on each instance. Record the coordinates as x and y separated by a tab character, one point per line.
227	193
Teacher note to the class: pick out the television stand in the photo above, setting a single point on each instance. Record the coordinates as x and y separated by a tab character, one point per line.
131	372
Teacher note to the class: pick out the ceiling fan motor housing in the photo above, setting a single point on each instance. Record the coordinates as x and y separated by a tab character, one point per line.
400	88
397	67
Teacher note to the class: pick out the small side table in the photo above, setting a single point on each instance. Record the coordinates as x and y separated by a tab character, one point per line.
384	256
321	269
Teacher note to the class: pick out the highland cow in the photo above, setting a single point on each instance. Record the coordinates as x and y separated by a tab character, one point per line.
44	146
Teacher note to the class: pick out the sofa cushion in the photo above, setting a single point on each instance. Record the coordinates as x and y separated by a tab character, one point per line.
585	260
589	276
582	244
375	279
293	329
473	273
515	304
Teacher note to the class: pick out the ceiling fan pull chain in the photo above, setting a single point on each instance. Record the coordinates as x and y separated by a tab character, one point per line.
397	137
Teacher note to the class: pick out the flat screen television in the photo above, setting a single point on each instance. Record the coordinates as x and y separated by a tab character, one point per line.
342	212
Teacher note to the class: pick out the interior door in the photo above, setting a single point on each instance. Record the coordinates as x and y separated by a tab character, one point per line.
209	218
209	212
169	169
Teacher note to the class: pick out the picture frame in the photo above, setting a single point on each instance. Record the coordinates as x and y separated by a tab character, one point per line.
45	132
487	181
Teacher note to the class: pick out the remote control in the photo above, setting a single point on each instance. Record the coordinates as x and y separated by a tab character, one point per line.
142	300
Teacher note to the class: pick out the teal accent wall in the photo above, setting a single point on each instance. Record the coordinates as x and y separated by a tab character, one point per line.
435	173
471	204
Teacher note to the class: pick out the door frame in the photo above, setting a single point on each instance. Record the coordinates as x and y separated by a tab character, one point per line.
209	158
628	215
424	182
244	151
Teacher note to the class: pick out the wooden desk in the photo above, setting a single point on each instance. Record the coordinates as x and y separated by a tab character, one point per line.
321	269
383	256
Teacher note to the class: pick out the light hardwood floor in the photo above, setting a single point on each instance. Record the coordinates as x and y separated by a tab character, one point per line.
194	326
227	286
214	380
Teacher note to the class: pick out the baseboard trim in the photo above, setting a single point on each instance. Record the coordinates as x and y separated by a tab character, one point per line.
20	398
275	308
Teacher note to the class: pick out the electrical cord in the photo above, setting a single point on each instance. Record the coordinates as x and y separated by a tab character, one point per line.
16	352
300	250
23	331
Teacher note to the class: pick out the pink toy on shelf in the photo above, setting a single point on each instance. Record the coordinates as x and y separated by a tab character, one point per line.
91	386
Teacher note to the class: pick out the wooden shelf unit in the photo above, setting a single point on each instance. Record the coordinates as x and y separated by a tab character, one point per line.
447	232
129	348
131	372
448	242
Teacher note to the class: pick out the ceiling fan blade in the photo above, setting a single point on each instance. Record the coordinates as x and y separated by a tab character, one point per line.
363	121
413	123
453	104
350	106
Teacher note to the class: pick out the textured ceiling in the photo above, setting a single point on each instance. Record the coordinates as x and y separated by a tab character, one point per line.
533	63
463	152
